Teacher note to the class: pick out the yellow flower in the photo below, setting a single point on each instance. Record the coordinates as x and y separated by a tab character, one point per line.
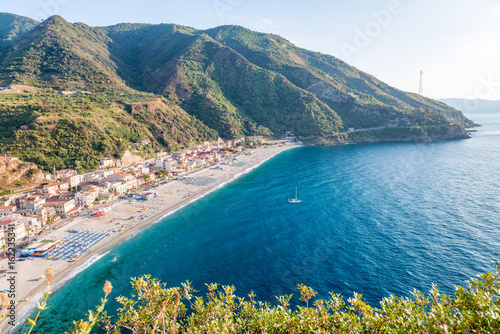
49	273
5	301
107	288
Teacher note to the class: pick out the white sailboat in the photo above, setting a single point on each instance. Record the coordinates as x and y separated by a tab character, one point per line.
294	200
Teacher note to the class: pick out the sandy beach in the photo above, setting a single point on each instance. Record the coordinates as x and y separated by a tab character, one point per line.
29	281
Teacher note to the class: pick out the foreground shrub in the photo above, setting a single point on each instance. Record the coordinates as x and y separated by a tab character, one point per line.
155	308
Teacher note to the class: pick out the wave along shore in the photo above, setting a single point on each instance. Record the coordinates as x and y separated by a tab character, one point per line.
172	197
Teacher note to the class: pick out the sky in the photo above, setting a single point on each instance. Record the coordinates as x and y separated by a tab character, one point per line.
454	42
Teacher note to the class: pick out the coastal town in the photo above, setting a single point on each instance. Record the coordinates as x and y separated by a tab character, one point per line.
68	222
27	217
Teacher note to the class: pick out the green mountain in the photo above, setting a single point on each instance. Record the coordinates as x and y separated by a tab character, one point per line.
13	26
227	81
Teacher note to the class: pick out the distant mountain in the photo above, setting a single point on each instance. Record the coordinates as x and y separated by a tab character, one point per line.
471	106
231	81
14	26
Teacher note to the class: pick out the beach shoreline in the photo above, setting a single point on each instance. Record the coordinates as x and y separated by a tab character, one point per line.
172	197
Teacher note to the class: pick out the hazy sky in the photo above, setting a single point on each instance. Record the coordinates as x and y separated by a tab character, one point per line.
455	42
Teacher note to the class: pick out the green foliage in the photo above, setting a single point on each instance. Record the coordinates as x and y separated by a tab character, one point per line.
155	308
32	172
76	131
305	68
238	98
43	305
56	53
4	191
162	173
231	81
13	27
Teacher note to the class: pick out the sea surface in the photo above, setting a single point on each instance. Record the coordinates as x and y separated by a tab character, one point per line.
376	219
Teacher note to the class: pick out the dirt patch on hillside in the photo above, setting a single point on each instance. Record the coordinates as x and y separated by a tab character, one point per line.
16	173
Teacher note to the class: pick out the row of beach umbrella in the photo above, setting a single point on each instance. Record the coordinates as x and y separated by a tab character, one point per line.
76	244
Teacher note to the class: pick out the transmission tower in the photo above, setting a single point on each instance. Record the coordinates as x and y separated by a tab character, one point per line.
421	86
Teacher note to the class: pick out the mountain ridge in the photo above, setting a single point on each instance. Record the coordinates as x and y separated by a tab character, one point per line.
13	27
229	79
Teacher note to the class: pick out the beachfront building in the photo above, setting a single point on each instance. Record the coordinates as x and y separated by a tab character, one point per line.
7	210
118	187
165	164
40	249
13	226
86	198
134	183
63	207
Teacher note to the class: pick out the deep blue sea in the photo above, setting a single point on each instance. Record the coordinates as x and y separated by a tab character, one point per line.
376	219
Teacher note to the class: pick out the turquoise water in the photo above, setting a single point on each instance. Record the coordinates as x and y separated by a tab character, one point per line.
376	219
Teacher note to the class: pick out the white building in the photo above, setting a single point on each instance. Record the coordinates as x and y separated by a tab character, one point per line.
119	187
64	173
27	221
86	198
40	214
54	188
106	162
13	229
63	207
165	164
74	180
92	177
7	210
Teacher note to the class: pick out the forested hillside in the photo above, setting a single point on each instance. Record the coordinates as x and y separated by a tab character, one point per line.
87	92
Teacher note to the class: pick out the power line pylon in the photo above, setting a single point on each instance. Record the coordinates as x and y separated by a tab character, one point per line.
421	86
